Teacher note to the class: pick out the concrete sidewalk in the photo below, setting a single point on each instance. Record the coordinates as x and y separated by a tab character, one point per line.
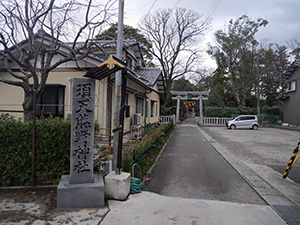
152	209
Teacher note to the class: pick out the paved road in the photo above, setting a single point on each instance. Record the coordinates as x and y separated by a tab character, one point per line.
265	146
294	173
191	168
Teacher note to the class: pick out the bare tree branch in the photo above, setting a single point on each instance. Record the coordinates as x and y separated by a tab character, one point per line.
174	35
35	31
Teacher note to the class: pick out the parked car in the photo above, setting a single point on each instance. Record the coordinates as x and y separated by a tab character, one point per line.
243	121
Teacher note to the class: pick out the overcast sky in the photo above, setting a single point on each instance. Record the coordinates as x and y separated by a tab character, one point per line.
283	15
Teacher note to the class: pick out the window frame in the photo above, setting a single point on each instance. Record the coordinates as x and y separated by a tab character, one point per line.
291	86
152	108
43	103
139	105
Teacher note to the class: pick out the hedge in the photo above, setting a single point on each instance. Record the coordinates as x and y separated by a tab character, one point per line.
212	111
144	152
52	150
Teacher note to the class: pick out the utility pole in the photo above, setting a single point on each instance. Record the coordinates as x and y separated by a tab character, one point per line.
118	83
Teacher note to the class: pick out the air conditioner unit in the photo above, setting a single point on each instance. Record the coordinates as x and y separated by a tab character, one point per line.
137	119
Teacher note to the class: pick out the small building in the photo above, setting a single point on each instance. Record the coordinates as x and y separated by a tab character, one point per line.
143	94
291	101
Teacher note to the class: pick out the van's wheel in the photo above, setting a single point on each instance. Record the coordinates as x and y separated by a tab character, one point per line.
232	127
254	127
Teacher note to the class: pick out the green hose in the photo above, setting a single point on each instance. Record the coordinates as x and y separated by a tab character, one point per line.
136	183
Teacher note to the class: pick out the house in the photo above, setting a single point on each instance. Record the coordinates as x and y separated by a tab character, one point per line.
291	101
143	94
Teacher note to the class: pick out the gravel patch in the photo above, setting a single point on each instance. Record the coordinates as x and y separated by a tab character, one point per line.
262	146
39	208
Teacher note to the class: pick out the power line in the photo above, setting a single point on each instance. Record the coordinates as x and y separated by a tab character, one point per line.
176	4
151	7
213	8
156	1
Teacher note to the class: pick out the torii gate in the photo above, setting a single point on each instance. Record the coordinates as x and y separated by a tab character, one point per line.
190	96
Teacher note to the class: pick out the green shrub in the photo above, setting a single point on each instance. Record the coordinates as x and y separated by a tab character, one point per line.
164	110
52	150
272	110
146	150
213	111
14	151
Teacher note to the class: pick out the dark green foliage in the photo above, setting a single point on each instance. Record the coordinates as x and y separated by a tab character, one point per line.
144	152
231	111
216	96
164	110
52	150
15	161
129	33
182	84
272	110
246	69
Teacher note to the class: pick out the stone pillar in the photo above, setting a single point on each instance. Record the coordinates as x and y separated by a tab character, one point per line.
81	189
178	109
82	131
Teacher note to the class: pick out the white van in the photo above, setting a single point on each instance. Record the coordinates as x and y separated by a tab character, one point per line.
243	121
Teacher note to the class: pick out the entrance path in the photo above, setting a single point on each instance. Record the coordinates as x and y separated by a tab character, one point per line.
194	184
190	167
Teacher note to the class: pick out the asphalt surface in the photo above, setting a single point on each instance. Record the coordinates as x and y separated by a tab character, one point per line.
294	173
266	146
190	167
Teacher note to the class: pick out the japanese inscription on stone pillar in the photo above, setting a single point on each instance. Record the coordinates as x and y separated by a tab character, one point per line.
82	131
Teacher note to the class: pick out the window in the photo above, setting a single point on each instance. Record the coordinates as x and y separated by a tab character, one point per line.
127	107
146	108
139	105
128	62
152	108
52	100
292	85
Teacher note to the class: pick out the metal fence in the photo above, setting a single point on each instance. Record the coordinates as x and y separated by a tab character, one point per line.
167	119
263	120
269	120
137	154
213	121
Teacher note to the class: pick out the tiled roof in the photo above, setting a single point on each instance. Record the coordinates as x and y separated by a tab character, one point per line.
146	77
292	67
138	77
149	74
110	43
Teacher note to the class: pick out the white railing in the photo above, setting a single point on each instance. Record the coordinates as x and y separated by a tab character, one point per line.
213	121
167	119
